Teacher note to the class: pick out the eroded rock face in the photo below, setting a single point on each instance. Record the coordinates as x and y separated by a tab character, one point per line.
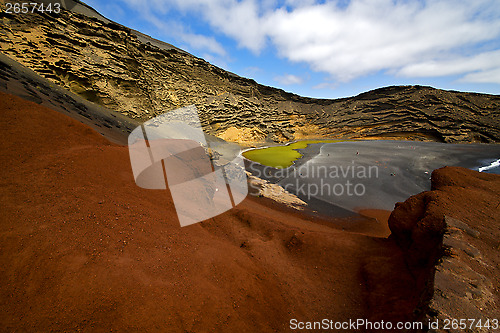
123	70
418	228
460	291
450	236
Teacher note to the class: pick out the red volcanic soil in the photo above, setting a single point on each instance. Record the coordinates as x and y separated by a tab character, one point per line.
464	207
83	248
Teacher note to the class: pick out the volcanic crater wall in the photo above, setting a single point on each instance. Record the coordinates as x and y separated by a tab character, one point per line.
126	71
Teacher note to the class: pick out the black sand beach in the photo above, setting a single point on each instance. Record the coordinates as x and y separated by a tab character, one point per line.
376	174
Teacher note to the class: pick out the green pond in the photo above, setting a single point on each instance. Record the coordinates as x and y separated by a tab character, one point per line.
281	156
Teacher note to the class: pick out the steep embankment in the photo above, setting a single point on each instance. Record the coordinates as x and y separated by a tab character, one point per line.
456	227
82	248
123	70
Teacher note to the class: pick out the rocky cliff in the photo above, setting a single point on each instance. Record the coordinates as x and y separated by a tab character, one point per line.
123	70
450	237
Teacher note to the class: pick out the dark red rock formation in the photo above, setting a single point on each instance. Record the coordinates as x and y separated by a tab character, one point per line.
463	200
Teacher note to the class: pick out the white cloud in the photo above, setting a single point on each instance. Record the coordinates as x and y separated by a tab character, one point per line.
486	76
289	79
372	36
458	65
360	37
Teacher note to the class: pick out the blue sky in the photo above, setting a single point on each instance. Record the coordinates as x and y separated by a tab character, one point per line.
330	49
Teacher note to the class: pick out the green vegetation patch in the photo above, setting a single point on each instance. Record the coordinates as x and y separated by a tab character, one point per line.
281	156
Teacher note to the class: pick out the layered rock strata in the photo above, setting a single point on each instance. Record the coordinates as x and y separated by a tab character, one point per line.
126	71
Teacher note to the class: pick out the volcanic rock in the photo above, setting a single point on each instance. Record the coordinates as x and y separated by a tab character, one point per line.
140	77
450	239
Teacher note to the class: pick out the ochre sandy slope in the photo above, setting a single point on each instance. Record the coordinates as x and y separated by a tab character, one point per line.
83	248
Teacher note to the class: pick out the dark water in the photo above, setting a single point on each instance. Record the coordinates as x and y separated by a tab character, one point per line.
373	174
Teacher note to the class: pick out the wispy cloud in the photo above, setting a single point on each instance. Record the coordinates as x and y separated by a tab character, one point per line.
155	11
239	20
485	76
252	70
485	61
326	85
289	79
200	42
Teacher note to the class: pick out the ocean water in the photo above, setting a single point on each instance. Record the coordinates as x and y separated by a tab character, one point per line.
493	167
375	174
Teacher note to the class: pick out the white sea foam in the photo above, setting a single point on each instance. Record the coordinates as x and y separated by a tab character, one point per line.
494	164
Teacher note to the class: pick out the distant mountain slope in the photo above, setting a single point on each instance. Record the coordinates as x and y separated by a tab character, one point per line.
129	72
